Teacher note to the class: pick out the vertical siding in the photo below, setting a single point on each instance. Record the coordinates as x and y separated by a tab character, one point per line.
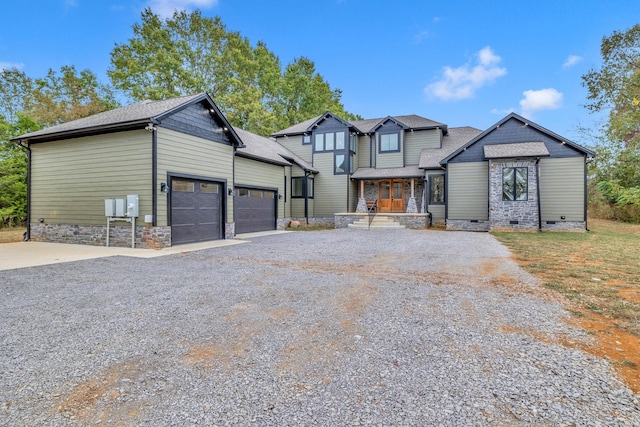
294	143
363	151
416	141
468	190
330	189
191	155
71	178
562	189
252	173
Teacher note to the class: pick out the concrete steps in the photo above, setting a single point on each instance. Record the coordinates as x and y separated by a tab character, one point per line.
379	222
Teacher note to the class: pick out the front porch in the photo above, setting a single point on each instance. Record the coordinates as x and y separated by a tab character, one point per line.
415	221
391	195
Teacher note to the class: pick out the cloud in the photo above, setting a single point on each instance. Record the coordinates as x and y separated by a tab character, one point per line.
165	8
571	61
543	99
9	65
462	82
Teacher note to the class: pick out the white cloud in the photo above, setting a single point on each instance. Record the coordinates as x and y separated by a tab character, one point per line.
462	82
571	61
543	99
165	8
8	65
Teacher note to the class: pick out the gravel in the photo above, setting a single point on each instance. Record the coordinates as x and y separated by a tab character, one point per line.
338	327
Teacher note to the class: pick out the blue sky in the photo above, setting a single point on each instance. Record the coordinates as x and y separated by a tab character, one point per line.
457	62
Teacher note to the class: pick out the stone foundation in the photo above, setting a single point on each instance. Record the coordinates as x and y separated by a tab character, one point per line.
517	215
467	225
96	235
230	230
579	226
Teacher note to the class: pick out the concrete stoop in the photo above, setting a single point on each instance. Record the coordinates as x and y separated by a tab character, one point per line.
379	222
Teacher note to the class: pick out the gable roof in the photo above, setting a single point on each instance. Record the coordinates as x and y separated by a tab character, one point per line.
131	116
411	121
526	122
430	158
266	149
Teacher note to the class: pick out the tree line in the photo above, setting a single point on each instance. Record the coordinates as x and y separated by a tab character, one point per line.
183	55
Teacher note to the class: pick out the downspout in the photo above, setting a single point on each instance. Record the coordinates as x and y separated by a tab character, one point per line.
586	194
538	194
425	205
154	175
306	197
27	147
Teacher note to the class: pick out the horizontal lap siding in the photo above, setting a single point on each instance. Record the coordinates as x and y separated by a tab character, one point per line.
468	191
562	189
330	190
70	179
416	141
363	150
294	143
390	160
251	173
190	155
437	212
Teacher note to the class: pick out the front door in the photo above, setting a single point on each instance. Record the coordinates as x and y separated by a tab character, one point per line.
391	195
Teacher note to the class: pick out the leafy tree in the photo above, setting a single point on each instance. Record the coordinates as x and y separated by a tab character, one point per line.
615	88
189	53
15	89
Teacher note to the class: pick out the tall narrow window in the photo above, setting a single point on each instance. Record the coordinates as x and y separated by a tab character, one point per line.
514	184
339	140
436	189
340	166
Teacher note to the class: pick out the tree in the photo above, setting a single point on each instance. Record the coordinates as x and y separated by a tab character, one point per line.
189	53
615	88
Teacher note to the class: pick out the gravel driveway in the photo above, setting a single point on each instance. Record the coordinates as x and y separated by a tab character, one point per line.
330	328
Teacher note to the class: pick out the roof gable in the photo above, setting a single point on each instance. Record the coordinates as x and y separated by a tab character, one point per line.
535	133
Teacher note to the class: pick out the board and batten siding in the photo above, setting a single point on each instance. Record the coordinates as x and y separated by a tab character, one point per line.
253	173
562	184
190	155
416	141
71	178
468	191
330	190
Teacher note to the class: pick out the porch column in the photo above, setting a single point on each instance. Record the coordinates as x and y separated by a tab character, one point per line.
412	207
362	202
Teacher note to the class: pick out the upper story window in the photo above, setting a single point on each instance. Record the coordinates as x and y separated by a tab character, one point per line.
514	184
389	142
306	139
329	141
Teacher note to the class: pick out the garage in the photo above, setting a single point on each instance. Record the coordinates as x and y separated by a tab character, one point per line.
255	209
196	210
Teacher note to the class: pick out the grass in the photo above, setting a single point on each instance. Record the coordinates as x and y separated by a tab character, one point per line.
598	271
10	235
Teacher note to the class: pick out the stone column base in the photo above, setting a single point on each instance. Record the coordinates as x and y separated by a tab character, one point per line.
412	207
362	205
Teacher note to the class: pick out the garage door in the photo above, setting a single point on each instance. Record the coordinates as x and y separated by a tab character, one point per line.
196	211
255	210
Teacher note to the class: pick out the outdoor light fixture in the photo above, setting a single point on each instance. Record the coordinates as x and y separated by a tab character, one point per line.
230	192
164	187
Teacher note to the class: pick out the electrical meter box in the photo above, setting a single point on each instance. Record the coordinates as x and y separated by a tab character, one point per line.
132	206
121	207
109	207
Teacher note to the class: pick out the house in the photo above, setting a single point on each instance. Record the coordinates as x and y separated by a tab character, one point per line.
196	177
516	175
193	177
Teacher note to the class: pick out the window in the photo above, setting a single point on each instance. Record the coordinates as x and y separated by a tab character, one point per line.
514	184
297	187
436	189
242	192
340	141
329	141
352	162
184	186
206	187
319	142
340	166
306	139
389	142
352	143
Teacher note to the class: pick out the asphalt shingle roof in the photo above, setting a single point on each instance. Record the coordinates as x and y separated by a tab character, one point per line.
430	158
521	149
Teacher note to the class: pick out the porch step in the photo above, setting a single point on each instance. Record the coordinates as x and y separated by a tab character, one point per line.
379	222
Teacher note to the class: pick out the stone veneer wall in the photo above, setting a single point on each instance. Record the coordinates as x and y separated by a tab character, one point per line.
579	226
415	221
467	225
96	235
502	213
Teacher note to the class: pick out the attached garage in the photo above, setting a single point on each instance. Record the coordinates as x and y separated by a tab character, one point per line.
255	209
196	210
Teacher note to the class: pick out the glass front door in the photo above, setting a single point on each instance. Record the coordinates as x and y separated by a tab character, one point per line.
391	195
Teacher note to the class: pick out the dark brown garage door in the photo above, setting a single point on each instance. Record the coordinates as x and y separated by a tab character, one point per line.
196	211
255	210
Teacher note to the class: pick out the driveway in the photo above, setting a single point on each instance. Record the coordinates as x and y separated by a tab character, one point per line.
338	327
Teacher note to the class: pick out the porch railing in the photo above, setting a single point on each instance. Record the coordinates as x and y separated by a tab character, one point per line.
372	209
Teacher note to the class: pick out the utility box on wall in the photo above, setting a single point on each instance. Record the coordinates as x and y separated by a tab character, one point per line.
132	206
115	207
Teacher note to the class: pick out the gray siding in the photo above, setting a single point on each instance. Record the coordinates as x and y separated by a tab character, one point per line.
363	151
514	131
390	160
330	189
468	191
416	141
71	178
437	213
562	184
294	143
196	120
190	155
252	173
